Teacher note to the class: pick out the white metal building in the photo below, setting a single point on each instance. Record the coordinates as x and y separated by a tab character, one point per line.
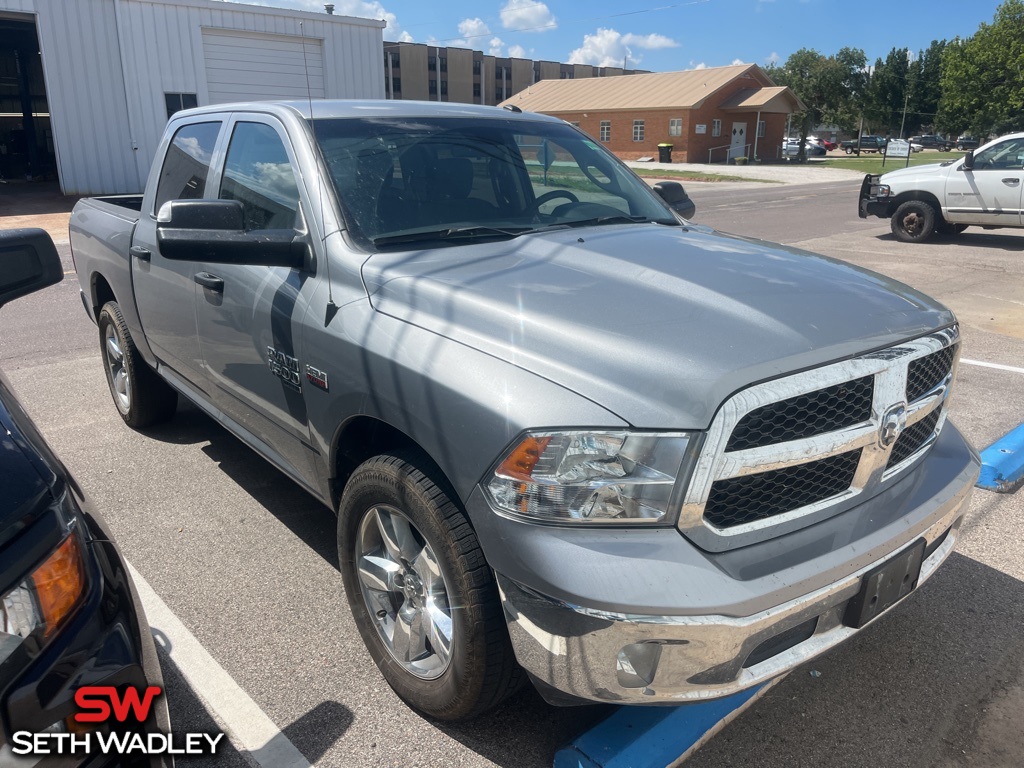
114	70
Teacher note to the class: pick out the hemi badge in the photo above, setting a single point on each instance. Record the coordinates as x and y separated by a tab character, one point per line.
317	378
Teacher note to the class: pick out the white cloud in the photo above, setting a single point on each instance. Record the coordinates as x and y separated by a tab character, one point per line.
517	52
497	47
527	15
701	65
474	28
738	61
365	9
772	58
609	48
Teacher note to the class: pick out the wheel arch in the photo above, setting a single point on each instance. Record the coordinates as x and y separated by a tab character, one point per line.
100	293
917	194
362	437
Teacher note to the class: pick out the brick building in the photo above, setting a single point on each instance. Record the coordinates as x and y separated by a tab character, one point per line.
708	115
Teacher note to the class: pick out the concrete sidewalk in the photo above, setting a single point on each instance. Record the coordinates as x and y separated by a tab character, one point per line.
789	173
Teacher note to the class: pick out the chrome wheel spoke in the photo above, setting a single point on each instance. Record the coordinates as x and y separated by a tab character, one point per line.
378	573
409	639
113	349
439	629
121	382
427	568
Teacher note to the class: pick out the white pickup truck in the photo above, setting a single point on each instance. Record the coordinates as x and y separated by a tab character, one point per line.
982	188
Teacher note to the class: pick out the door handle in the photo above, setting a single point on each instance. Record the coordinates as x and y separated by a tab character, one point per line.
207	280
1011	181
142	254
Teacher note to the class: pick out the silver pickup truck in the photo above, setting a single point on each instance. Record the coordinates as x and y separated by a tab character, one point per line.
566	431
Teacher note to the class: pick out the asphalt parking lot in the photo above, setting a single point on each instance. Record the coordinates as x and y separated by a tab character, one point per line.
244	561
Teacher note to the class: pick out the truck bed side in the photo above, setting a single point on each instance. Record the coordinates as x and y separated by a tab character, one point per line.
101	234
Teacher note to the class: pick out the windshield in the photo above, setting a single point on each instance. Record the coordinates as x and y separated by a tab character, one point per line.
403	179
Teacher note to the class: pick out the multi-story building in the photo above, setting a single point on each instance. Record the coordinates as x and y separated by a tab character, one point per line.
433	73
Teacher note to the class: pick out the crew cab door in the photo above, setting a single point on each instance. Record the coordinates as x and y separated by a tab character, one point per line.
250	317
990	193
164	288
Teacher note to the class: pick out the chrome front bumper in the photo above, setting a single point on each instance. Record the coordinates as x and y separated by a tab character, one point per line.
630	659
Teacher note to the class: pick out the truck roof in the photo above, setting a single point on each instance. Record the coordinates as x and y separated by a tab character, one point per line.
340	108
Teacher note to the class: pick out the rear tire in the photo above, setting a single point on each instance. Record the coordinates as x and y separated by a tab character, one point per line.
142	398
422	595
913	222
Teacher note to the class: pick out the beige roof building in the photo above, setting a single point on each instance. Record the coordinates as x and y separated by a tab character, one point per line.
708	115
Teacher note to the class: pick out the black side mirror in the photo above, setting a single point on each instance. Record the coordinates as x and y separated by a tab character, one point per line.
213	231
672	192
28	263
968	161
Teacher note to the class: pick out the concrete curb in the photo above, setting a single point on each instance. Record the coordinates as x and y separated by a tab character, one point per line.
1002	463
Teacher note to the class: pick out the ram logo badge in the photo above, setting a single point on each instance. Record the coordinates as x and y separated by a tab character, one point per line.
285	367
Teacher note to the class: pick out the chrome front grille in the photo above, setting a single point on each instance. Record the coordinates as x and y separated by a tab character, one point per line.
790	452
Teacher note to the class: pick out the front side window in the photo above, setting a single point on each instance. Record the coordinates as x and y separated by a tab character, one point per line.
1005	156
716	127
257	171
675	126
606	130
452	179
187	163
638	130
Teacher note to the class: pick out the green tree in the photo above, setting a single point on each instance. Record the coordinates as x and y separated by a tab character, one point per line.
983	77
829	86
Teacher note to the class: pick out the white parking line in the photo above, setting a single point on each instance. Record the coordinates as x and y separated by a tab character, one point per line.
997	366
252	733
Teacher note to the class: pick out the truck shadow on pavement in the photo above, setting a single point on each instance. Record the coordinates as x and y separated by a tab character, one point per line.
975	237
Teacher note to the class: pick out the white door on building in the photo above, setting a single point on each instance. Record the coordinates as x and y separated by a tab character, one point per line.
737	145
251	66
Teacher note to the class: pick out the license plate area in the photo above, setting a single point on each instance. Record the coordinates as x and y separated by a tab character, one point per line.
885	585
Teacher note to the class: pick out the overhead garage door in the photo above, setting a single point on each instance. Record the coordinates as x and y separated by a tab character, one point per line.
246	66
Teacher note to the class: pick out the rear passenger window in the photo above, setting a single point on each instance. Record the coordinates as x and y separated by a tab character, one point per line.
187	164
257	172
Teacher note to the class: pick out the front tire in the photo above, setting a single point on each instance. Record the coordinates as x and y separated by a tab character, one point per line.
142	398
913	222
421	593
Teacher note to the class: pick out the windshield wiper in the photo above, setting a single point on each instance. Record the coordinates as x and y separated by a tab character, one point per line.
619	219
450	233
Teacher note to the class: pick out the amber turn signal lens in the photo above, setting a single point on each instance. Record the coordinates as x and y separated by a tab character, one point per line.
519	464
59	583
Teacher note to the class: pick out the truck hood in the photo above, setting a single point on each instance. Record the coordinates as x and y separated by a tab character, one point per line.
657	324
931	170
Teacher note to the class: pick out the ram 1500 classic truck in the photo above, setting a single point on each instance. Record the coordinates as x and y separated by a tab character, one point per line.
982	188
566	432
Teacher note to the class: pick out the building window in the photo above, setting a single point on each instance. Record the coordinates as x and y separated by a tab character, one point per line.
395	60
716	127
606	130
760	129
638	130
178	101
499	73
444	87
433	86
499	94
443	61
675	126
476	90
432	63
396	85
476	66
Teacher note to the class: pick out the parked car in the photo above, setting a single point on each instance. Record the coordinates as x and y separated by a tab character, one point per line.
982	188
69	615
865	144
569	435
791	148
966	142
828	145
932	142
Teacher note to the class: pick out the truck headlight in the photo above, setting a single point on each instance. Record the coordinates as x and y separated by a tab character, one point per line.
45	599
614	477
882	190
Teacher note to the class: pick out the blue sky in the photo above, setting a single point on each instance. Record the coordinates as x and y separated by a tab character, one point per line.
663	35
